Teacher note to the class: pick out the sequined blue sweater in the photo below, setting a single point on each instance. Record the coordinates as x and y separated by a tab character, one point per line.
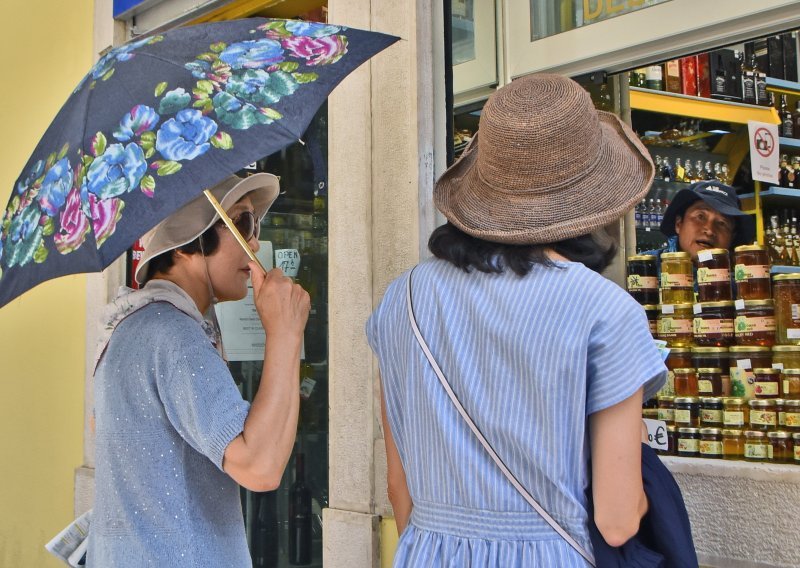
166	407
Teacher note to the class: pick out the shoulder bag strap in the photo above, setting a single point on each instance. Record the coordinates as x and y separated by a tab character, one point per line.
484	442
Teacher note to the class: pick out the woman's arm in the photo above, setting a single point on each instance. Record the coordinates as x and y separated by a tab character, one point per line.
616	445
397	488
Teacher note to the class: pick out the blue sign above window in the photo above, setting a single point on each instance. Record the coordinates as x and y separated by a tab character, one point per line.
123	9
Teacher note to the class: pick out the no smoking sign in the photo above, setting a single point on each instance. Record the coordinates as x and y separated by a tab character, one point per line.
764	151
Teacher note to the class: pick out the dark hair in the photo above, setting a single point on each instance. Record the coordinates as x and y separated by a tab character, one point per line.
466	252
166	260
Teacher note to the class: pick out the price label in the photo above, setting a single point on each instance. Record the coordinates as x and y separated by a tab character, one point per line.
697	309
739	304
704	256
657	434
667	309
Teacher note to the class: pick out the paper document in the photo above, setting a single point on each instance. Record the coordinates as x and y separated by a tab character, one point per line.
70	544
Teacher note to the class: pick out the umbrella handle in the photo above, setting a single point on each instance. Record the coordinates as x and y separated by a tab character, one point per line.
234	231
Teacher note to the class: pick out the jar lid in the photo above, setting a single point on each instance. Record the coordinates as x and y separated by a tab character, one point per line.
723	304
796	435
647	257
749	248
714	251
667	398
650	306
778	401
683	371
754	434
675	256
781	434
734	400
671	428
688	430
681	350
731	432
687	400
766	371
760	402
747	349
707	370
758	303
784	348
711	431
710	400
791	371
791	403
706	350
781	277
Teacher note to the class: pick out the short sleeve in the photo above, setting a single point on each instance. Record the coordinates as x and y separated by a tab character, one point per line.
622	356
199	394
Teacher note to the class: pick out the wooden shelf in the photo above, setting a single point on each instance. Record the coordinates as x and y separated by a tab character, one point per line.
700	107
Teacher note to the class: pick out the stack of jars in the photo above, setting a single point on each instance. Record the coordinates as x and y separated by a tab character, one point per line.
731	392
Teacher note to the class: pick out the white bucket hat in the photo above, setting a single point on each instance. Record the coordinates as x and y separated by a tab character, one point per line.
194	218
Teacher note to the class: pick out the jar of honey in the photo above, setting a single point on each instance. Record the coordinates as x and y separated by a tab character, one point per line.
751	272
735	413
790	384
688	442
796	443
643	278
755	322
677	280
678	358
786	356
711	411
756	448
666	408
780	411
687	411
713	324
743	359
732	444
686	382
767	383
675	324
652	311
672	441
791	415
709	381
714	357
714	275
781	447
711	443
787	308
763	415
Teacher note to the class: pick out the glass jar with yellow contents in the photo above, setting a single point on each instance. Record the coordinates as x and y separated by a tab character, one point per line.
796	449
780	447
711	443
666	408
791	416
786	356
751	272
714	357
675	324
677	280
712	324
755	322
713	275
756	447
678	358
790	382
686	382
787	308
732	444
735	413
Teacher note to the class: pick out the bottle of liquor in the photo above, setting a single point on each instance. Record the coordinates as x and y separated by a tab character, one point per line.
654	78
793	173
787	120
637	214
797	120
638	77
680	172
659	213
708	172
776	246
652	216
760	78
783	173
699	171
748	79
265	533
794	259
726	175
718	172
667	173
688	171
299	516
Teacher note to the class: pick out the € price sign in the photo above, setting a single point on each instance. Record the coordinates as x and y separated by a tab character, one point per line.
656	434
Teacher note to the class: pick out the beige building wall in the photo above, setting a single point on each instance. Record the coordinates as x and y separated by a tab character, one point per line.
47	48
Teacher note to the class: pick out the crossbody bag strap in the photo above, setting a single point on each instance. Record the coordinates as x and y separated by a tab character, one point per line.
482	439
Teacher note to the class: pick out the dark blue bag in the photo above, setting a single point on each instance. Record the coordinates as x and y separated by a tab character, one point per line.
664	539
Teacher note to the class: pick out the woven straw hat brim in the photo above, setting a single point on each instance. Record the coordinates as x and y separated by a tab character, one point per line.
194	218
619	179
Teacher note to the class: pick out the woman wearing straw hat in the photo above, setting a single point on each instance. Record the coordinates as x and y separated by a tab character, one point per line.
547	358
174	438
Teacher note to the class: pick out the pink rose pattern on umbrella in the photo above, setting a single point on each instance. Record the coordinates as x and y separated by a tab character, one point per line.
69	198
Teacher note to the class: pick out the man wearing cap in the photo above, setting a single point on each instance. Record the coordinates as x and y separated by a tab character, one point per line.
705	215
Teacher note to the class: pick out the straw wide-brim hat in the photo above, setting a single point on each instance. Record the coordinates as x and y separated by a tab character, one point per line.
194	218
544	166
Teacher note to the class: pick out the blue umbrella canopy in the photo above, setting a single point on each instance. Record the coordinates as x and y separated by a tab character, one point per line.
154	123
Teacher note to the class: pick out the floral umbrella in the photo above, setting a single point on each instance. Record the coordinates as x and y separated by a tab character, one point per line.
154	123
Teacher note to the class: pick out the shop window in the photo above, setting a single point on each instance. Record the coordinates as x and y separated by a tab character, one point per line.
550	17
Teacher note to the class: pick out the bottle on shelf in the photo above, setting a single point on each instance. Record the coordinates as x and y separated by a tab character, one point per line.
748	78
787	120
726	175
679	171
794	172
709	172
654	78
659	213
794	259
699	171
797	120
776	243
760	77
667	173
658	161
688	171
638	212
299	516
638	77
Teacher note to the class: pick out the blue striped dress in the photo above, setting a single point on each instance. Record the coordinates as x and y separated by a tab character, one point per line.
530	358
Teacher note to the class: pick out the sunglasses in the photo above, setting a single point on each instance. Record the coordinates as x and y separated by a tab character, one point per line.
247	225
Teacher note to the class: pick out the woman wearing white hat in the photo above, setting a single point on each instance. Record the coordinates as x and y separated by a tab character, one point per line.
174	438
550	360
